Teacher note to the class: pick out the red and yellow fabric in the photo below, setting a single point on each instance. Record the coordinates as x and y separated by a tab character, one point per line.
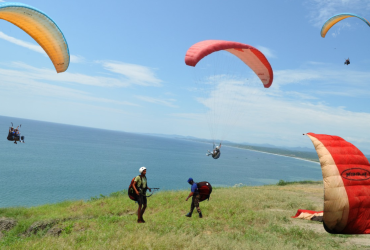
307	214
346	175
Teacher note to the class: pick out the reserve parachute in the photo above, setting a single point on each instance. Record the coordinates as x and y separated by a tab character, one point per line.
346	175
41	28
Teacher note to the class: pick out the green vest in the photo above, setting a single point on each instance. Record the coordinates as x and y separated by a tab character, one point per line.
140	183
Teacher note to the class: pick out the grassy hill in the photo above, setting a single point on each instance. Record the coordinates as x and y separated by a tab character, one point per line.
235	218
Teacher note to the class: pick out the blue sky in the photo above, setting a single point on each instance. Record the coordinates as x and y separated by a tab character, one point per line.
127	68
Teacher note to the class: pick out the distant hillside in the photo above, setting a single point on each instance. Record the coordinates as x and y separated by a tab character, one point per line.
307	155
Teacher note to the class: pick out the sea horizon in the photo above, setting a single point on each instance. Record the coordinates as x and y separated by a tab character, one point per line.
61	162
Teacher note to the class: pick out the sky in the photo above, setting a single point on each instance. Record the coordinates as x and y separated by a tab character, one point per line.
127	69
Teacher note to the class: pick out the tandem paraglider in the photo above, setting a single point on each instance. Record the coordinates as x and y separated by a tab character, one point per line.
15	135
347	62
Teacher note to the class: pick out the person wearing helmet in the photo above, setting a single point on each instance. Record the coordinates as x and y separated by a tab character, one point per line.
140	186
215	152
195	198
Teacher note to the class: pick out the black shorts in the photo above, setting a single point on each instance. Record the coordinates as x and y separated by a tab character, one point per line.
141	199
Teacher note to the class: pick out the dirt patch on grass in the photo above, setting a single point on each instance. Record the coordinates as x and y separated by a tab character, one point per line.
277	210
314	226
360	240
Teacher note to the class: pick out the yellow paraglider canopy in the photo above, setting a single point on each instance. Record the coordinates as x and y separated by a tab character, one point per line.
41	28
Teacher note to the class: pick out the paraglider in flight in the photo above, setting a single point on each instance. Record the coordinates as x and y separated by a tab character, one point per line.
347	61
216	153
346	175
220	75
248	54
41	28
15	135
334	19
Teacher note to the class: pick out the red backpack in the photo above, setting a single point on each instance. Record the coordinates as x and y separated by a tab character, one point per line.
205	190
131	191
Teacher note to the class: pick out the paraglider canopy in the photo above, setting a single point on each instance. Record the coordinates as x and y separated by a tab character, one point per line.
346	175
248	54
41	28
337	18
221	74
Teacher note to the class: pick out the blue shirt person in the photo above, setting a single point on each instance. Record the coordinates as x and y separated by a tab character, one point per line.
195	198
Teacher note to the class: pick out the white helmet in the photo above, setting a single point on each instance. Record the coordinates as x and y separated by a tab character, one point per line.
142	169
216	147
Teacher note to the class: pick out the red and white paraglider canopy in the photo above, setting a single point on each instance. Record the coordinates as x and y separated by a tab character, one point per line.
248	54
346	174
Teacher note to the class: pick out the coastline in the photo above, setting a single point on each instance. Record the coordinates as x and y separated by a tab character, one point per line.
253	148
264	152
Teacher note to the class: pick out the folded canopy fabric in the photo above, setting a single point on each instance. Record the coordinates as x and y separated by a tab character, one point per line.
346	175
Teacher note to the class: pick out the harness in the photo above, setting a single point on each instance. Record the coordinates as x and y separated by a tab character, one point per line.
145	189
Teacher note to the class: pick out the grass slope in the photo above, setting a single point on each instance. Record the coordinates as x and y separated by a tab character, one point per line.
234	218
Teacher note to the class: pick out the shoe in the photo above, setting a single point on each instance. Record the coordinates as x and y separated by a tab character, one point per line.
200	215
188	214
140	221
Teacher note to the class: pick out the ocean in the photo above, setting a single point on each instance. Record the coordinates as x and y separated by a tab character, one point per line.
61	162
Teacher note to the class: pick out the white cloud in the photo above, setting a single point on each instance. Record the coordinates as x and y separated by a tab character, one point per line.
326	76
135	74
66	77
167	102
16	83
77	59
266	51
257	115
36	47
322	10
24	44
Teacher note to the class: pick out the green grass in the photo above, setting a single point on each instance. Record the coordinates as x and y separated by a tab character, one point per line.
234	218
283	183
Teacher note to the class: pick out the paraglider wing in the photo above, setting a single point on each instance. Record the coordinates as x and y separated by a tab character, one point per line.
248	54
334	19
41	28
346	175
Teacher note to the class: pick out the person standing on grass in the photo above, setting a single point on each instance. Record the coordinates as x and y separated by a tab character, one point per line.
195	198
140	186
